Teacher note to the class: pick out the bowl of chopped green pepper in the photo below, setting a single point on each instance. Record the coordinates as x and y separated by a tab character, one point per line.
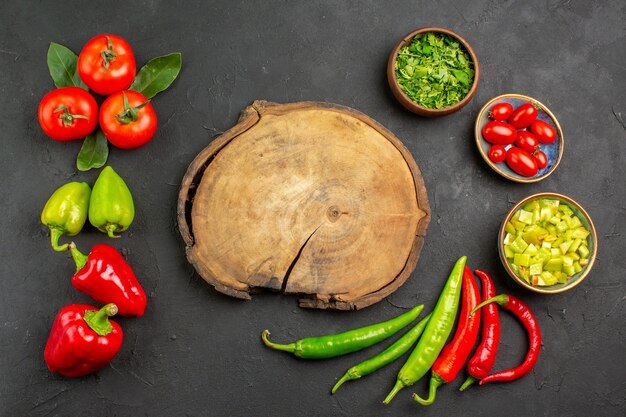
548	243
433	72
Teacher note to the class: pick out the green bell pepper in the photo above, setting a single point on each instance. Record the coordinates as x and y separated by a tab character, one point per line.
65	212
111	209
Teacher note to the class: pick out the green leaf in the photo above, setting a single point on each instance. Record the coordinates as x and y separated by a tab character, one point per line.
94	152
62	66
157	74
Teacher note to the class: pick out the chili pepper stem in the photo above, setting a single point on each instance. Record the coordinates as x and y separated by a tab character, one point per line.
396	389
55	235
291	347
98	321
79	258
501	299
435	382
348	376
469	381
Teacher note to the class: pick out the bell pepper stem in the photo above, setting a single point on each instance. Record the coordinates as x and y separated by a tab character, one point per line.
291	347
435	382
98	321
79	258
501	299
396	389
55	235
469	381
111	229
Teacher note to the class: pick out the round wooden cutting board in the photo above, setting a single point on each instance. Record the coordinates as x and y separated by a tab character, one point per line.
305	198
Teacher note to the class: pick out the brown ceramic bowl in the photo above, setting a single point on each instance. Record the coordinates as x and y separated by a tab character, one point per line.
410	104
592	241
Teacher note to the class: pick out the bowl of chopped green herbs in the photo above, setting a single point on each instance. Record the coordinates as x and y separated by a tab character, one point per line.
433	72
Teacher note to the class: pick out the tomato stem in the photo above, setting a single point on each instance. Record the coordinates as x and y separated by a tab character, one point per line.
67	117
108	55
130	114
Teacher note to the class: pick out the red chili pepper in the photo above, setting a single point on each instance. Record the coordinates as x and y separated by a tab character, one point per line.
82	340
454	354
105	276
485	355
523	313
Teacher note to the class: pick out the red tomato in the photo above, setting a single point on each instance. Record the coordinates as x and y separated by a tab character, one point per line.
497	154
521	162
499	133
501	111
128	119
541	158
68	113
107	64
527	141
523	116
544	132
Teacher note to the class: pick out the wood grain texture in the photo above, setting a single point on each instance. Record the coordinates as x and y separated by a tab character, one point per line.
305	198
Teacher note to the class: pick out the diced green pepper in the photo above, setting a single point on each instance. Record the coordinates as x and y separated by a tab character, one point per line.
577	267
568	260
583	252
561	227
569	270
564	208
535	269
508	252
561	278
545	214
509	228
519	245
521	259
575	245
531	250
554	264
565	246
546	280
526	216
580	233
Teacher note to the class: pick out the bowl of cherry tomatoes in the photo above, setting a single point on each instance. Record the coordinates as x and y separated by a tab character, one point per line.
519	138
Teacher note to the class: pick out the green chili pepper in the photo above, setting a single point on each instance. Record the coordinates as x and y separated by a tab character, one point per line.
65	212
393	352
435	335
339	344
111	208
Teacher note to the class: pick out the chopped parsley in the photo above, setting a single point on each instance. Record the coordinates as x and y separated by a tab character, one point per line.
434	70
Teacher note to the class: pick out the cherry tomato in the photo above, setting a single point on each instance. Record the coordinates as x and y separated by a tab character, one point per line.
497	154
527	141
68	113
128	119
107	64
541	158
544	132
521	162
499	133
501	111
523	116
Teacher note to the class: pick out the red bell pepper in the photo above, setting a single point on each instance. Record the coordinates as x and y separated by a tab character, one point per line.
105	276
82	340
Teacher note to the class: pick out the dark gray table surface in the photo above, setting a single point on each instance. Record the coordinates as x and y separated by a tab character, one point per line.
196	352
